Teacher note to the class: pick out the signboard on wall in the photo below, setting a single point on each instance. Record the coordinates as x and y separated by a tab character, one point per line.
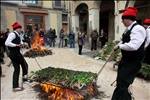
29	2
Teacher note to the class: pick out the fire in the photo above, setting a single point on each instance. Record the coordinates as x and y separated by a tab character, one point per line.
91	89
59	93
37	44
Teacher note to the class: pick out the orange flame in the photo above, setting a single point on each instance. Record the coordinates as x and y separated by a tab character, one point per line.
91	89
59	93
37	43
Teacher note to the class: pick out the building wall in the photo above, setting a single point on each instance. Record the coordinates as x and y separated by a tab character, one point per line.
53	20
47	4
10	18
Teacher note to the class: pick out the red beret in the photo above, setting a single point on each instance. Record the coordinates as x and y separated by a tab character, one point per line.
130	11
16	25
147	21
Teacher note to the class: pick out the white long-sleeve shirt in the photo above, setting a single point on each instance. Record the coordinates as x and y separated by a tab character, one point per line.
137	37
147	36
10	38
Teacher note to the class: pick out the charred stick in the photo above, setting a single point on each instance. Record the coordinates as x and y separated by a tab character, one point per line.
38	64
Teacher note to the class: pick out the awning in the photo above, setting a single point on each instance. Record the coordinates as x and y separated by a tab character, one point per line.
33	11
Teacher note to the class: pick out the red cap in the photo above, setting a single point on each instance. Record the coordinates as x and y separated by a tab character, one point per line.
130	11
16	25
147	21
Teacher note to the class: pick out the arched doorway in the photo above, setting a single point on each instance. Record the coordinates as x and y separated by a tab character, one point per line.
107	18
82	12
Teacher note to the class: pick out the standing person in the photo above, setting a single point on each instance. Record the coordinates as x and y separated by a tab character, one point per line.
132	49
6	35
2	41
1	61
14	44
80	41
72	39
61	37
21	36
147	44
41	35
65	37
27	38
94	36
54	31
51	37
102	38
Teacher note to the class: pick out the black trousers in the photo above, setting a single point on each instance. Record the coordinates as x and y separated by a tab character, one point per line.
121	91
127	71
65	42
80	49
102	43
93	44
147	55
17	60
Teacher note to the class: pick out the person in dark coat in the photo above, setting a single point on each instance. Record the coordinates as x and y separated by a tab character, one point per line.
80	41
147	44
51	37
102	38
1	61
14	44
2	41
61	38
27	37
132	50
72	39
94	36
54	31
6	35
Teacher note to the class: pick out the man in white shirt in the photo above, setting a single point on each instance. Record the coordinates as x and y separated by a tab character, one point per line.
14	44
146	25
132	49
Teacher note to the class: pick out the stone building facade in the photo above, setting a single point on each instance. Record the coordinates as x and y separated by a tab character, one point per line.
35	13
72	15
97	14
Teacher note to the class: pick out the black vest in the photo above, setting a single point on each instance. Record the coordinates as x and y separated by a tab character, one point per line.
15	41
136	55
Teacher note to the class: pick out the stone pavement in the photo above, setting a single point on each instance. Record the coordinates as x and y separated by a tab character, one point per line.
63	58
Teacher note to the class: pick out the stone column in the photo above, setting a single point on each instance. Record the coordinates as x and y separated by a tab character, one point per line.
75	24
119	27
93	22
94	18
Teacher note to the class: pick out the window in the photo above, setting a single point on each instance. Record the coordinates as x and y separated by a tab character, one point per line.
58	3
64	18
29	1
33	18
32	21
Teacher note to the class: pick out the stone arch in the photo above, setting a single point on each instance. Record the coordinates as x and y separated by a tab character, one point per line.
82	12
107	18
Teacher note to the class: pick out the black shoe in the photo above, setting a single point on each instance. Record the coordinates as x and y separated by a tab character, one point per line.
27	81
